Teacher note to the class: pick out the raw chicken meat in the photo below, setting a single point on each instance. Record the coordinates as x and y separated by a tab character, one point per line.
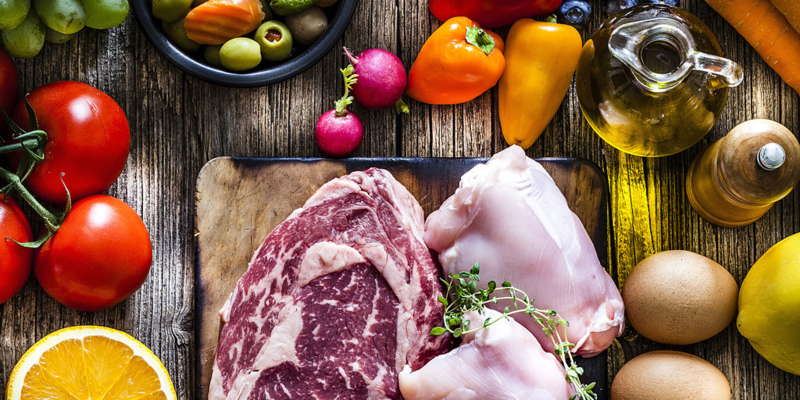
502	362
509	216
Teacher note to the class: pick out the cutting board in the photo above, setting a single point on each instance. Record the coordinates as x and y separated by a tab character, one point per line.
240	201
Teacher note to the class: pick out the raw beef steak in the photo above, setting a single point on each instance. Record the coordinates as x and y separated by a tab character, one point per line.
338	299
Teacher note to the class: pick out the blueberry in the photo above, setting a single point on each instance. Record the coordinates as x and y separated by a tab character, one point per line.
614	6
574	12
673	3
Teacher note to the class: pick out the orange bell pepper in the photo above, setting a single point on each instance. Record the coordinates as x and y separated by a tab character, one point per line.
217	21
458	63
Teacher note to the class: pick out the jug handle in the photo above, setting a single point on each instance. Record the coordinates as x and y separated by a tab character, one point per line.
721	67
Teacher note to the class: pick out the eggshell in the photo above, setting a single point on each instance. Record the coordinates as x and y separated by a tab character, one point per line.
679	297
669	375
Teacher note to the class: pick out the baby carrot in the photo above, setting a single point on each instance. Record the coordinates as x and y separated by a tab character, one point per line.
768	31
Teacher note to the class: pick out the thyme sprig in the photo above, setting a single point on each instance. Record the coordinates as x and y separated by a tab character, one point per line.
462	296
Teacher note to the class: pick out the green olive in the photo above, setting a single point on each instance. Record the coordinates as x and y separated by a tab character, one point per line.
240	54
211	54
266	9
177	34
170	10
53	36
196	3
26	39
308	25
275	40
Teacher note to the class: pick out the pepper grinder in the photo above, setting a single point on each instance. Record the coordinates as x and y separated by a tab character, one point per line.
736	180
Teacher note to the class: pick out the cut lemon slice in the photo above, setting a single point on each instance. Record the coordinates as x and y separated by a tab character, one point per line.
89	363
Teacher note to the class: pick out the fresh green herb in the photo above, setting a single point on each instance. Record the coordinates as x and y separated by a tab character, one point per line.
462	296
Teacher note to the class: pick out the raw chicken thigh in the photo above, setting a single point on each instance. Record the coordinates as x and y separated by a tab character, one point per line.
509	216
503	362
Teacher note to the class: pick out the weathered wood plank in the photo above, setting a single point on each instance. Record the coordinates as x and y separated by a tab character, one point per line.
179	122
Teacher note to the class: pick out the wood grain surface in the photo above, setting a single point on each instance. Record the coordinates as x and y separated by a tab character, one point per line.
240	200
178	123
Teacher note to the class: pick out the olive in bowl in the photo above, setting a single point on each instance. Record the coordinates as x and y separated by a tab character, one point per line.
205	63
307	26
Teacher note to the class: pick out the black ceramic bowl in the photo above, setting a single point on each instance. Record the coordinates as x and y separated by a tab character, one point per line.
262	75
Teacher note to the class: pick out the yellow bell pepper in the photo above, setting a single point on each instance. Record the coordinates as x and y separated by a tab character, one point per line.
541	58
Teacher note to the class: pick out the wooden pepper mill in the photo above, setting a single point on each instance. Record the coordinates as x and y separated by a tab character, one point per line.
736	180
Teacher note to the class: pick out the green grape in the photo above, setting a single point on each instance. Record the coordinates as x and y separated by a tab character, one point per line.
52	36
27	39
104	14
63	16
13	12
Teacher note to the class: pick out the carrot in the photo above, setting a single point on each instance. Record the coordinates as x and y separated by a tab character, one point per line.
791	10
768	31
217	21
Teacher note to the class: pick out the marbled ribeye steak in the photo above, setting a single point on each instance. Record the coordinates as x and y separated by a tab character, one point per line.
336	301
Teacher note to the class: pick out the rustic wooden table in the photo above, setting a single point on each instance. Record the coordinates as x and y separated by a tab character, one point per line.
178	123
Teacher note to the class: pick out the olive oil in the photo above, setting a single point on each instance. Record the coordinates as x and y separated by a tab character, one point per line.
651	81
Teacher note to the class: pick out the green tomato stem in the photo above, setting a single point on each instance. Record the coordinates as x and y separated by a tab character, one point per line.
31	144
51	221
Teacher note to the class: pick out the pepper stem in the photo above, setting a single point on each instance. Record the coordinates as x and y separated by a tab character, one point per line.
480	39
401	107
349	80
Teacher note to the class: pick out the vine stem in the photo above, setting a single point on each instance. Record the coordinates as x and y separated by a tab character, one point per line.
51	221
27	144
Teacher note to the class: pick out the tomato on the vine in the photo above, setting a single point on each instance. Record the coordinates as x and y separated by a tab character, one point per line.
9	86
15	260
100	255
88	140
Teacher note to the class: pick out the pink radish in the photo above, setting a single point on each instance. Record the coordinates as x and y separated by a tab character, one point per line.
339	131
382	79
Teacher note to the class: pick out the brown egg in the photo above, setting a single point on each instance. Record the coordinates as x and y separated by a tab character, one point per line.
669	375
679	297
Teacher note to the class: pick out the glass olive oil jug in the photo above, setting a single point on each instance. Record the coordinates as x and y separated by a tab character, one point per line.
652	81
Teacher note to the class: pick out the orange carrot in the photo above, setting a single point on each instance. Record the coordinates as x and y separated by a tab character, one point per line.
791	10
217	21
768	31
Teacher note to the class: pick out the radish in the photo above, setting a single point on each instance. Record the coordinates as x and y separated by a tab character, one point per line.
382	79
339	131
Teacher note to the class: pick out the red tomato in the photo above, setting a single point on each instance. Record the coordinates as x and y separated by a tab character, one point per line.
15	260
100	256
9	86
88	139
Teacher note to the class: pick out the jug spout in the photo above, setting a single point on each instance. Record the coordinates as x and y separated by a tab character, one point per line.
661	52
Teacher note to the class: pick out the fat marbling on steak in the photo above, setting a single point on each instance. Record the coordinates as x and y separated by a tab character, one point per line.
336	301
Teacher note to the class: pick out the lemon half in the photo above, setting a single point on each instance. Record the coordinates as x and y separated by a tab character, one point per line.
89	363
